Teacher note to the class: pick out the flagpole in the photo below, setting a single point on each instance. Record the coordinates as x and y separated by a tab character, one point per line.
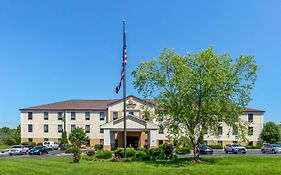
124	88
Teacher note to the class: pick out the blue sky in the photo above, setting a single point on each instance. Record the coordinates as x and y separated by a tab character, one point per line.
58	50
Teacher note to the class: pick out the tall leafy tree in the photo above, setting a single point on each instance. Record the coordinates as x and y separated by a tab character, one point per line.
197	91
270	133
78	136
64	139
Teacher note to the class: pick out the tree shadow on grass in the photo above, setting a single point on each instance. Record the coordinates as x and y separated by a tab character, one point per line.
179	162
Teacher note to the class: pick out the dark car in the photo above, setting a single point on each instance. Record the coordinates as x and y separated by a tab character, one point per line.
64	146
205	149
38	150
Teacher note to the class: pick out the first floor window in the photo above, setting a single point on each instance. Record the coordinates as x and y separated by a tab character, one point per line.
102	115
101	130
101	141
46	139
205	142
46	128
251	143
161	142
59	128
46	115
60	115
220	142
235	142
72	127
250	131
87	128
30	128
131	112
115	115
29	114
59	140
30	139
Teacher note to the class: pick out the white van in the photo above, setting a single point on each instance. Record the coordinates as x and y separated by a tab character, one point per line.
51	145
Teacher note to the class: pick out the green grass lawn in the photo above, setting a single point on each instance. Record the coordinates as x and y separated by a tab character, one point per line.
219	166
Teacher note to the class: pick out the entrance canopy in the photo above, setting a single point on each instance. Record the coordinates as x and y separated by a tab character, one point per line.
133	123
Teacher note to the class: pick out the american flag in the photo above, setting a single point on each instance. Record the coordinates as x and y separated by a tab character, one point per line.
117	89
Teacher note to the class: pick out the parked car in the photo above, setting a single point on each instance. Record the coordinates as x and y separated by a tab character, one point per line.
64	146
38	150
205	149
235	148
271	148
18	149
51	145
29	147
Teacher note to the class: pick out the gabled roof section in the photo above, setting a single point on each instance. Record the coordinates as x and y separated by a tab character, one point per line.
253	110
133	122
74	105
149	102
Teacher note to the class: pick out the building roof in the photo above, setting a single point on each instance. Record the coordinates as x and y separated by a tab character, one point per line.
95	105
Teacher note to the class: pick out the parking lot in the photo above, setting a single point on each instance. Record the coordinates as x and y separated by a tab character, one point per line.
54	153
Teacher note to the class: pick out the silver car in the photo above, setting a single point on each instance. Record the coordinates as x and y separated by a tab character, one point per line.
271	148
235	148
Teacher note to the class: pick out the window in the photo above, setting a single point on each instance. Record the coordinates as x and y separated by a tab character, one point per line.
46	128
220	130
220	142
101	141
250	131
235	142
46	115
46	139
205	130
234	132
115	115
30	128
87	128
250	117
131	112
161	130
30	139
205	142
250	143
72	127
87	115
60	115
102	115
101	130
59	128
73	115
161	142
29	114
59	140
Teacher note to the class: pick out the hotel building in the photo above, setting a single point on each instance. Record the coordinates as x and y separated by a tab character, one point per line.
103	122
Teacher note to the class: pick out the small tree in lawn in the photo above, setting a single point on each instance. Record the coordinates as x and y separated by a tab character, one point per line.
64	139
197	91
270	133
77	137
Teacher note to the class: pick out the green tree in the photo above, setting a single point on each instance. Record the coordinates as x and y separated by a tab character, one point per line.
78	137
270	133
64	139
17	135
197	91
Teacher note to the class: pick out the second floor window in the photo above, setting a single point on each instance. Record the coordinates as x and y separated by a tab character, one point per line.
87	128
250	117
30	128
87	115
73	115
234	132
60	114
115	115
161	130
59	128
46	128
29	114
102	115
46	115
220	130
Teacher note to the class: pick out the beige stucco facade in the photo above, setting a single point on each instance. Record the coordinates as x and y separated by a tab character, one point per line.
109	131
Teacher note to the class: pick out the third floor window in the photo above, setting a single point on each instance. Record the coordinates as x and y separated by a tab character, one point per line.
60	114
29	114
250	117
46	115
87	115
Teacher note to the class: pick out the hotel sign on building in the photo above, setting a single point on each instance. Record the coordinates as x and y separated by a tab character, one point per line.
103	122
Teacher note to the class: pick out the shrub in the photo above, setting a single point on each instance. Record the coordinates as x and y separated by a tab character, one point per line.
70	149
91	152
142	155
253	147
29	143
76	154
98	147
216	146
182	150
88	158
104	154
156	153
130	152
168	149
